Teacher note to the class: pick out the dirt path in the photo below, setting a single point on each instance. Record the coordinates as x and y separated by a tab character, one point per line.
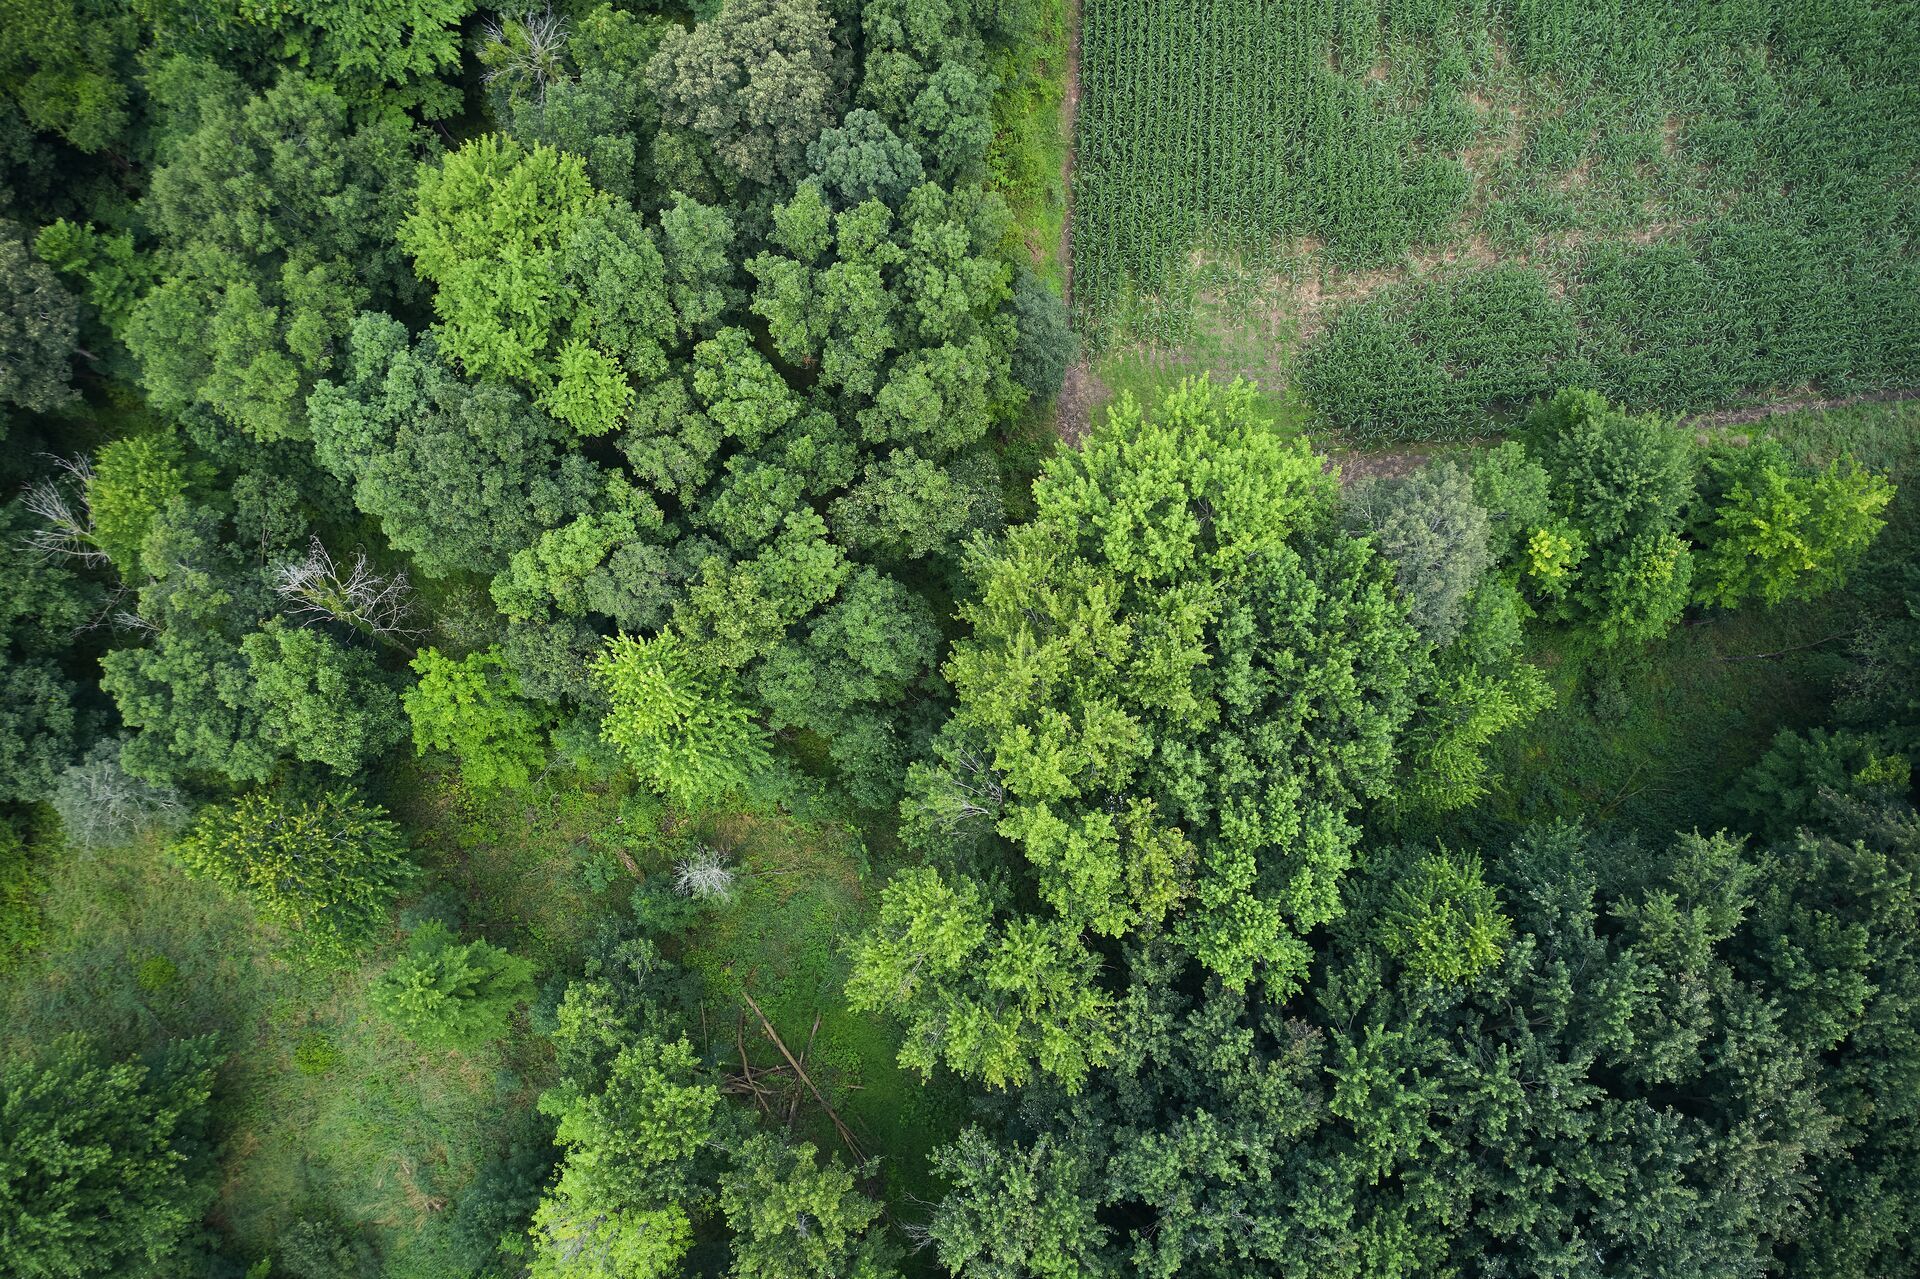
1760	412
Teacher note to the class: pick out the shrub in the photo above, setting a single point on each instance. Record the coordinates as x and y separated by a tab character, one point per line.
444	993
324	868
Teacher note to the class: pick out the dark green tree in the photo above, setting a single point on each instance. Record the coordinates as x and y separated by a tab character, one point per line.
106	1166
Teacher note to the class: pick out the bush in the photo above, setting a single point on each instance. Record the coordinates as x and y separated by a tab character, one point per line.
324	868
443	993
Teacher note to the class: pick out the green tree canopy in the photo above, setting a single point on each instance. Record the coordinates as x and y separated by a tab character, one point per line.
445	993
324	867
106	1166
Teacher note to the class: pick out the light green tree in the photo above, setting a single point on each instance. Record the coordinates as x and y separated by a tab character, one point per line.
445	993
473	708
680	724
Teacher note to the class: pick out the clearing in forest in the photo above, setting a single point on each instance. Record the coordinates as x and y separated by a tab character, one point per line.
1416	213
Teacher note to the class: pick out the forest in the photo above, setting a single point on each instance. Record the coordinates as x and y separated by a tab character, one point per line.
959	639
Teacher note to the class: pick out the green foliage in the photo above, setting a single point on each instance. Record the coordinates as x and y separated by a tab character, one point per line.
42	605
1015	1210
461	475
861	159
443	993
1436	534
1622	483
276	216
1046	345
621	1206
1772	532
319	700
39	329
681	726
1444	922
1162	552
65	64
20	888
134	479
489	230
792	1218
324	868
105	1165
473	708
753	81
992	1004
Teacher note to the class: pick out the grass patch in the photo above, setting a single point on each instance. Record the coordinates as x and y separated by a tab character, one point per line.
1026	160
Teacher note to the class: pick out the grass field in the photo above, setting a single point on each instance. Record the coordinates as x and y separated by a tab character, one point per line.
329	1115
1431	213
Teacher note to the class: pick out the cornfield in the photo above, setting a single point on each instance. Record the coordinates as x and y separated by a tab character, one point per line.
1686	206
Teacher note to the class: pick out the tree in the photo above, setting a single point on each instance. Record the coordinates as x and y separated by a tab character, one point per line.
101	805
632	1168
135	478
1444	922
1770	530
1623	482
442	993
993	1005
458	474
1180	624
1435	533
794	1219
680	724
389	55
66	64
276	217
1015	1210
42	605
579	85
862	159
106	1167
20	887
324	868
473	708
319	700
754	81
39	328
494	230
951	120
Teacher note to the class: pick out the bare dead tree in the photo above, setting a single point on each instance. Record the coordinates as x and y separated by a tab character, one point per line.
530	50
316	587
65	507
704	874
102	805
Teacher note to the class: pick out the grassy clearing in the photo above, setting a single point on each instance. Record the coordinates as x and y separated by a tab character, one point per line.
366	1130
1654	738
327	1114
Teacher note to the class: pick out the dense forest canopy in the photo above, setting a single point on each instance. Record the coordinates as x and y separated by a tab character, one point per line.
646	639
